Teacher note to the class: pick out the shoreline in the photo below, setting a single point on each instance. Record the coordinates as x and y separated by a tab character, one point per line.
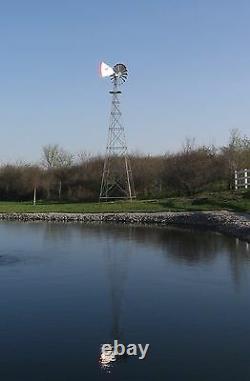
229	223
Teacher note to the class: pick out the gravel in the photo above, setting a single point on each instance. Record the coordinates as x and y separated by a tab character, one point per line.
234	224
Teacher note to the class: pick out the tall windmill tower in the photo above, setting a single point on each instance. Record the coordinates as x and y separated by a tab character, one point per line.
117	180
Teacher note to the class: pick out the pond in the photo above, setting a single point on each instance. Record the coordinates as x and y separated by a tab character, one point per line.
66	289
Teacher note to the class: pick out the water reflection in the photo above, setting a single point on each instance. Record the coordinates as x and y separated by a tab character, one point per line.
107	358
190	246
116	259
57	232
8	259
76	286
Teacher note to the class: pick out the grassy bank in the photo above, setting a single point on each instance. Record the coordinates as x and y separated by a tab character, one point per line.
222	201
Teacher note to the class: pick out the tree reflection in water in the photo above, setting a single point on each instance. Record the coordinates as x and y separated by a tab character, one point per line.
188	245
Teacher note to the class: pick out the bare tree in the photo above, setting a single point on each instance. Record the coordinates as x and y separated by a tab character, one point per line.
57	159
236	154
54	156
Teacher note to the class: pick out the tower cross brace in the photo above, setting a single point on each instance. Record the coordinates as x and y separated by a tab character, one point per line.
117	180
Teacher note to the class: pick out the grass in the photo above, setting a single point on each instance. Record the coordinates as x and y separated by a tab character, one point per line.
217	201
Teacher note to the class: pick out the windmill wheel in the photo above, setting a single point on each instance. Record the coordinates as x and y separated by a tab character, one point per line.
120	74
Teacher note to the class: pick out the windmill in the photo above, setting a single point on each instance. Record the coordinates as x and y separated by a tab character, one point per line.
117	180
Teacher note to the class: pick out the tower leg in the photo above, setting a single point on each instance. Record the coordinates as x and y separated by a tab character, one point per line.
117	180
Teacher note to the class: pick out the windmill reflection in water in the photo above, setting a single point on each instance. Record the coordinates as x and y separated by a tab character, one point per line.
116	259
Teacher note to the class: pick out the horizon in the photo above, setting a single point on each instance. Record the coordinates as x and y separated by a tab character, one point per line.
78	156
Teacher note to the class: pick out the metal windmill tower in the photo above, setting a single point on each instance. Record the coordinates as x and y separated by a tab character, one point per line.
117	180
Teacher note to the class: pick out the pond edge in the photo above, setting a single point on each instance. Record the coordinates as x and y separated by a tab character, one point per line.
229	223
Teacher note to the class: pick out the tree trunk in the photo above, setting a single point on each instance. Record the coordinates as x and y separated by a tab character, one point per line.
60	190
34	197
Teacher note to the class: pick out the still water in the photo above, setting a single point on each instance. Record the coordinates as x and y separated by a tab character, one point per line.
66	289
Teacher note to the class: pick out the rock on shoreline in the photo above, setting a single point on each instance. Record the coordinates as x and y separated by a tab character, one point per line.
234	224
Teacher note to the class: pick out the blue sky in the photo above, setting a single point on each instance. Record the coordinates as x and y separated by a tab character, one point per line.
188	61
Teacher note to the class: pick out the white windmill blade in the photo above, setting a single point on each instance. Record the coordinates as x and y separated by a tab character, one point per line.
105	70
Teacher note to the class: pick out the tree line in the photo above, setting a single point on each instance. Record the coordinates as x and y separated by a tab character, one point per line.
60	176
